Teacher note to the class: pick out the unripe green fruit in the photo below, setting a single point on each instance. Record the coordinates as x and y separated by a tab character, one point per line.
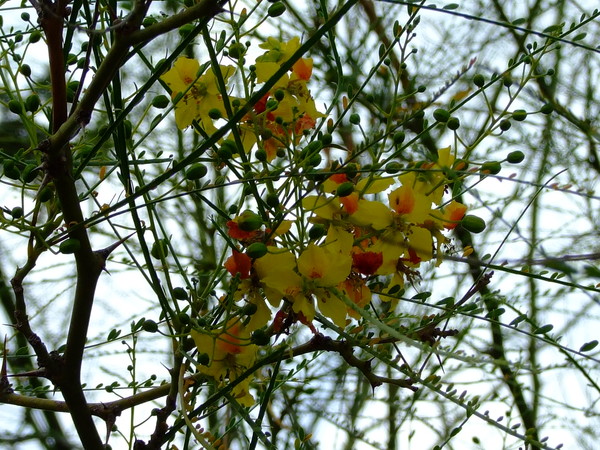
493	167
256	250
474	224
515	157
519	115
180	293
345	189
150	326
196	172
276	9
354	119
249	221
441	115
69	246
160	101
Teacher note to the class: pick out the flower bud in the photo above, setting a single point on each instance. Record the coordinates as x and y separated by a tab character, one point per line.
519	115
69	246
345	189
276	9
472	223
256	250
249	221
515	157
196	171
441	115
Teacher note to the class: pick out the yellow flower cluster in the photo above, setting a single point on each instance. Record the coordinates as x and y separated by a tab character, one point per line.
358	238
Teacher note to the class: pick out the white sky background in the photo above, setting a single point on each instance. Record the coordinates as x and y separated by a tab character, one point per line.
123	296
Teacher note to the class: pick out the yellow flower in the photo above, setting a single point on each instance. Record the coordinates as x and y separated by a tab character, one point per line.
195	96
230	354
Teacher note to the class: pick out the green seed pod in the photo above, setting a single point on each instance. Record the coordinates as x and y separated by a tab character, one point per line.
441	115
160	101
515	157
160	248
472	223
260	338
453	123
69	246
32	103
150	326
196	172
215	114
237	50
16	212
180	293
519	115
249	221
345	189
355	119
493	167
478	80
317	231
505	125
15	106
276	9
256	250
